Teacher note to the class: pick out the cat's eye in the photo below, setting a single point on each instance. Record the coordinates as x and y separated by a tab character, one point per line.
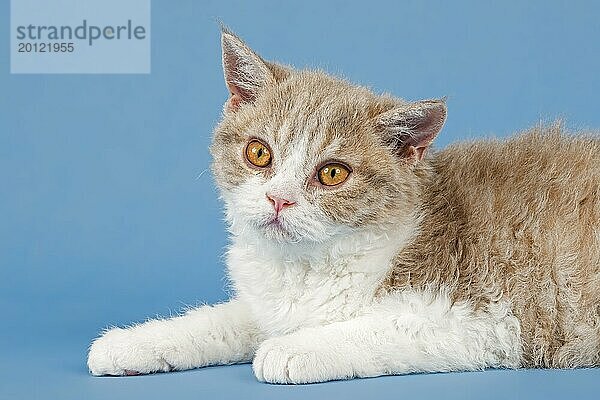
258	154
333	174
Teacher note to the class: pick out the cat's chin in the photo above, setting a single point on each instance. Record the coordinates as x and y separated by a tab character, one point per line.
277	232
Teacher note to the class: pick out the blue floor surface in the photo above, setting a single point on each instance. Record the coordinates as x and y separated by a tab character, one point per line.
60	373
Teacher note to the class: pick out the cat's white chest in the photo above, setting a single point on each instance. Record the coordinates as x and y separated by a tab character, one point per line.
288	294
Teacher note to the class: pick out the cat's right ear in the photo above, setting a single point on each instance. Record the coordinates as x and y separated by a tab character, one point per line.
246	73
409	129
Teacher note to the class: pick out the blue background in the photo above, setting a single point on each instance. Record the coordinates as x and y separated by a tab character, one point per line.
109	215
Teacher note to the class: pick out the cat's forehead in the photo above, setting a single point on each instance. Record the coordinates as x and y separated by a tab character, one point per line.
315	112
312	93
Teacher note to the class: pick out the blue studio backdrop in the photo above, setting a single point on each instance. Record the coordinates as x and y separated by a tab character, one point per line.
109	214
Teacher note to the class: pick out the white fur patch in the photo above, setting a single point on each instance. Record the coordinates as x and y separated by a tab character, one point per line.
313	316
406	332
288	287
221	334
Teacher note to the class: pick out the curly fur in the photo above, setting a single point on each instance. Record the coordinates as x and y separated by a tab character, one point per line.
485	254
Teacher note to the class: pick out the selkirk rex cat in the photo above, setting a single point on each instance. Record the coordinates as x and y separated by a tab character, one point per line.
356	252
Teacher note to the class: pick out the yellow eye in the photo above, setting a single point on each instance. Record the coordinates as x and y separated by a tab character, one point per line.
258	154
333	174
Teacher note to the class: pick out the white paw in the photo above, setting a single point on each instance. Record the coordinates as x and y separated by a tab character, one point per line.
123	352
294	360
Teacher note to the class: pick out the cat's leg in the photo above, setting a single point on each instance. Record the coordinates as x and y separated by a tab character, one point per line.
404	333
208	335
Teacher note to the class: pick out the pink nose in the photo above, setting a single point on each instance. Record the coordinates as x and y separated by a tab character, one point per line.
279	203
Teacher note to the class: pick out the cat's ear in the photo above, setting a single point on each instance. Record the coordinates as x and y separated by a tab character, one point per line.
246	73
409	129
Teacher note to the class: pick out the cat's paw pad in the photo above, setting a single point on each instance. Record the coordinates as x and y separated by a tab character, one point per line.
285	361
119	352
129	372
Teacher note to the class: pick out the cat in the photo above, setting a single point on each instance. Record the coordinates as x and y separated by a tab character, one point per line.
358	252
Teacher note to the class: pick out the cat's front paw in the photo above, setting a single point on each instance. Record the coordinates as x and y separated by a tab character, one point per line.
122	352
292	359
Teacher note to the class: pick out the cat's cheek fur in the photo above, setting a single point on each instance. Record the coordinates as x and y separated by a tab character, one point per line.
248	210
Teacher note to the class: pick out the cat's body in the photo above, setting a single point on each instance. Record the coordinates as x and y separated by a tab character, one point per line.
486	254
518	220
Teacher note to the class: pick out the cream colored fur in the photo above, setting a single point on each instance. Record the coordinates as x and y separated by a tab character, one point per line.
486	254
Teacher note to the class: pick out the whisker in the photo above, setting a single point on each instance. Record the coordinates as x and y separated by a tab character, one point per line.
200	174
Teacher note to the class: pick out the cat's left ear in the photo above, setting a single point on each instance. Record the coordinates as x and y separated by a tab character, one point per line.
246	73
409	129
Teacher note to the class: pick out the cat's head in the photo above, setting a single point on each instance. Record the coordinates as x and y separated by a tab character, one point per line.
300	156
